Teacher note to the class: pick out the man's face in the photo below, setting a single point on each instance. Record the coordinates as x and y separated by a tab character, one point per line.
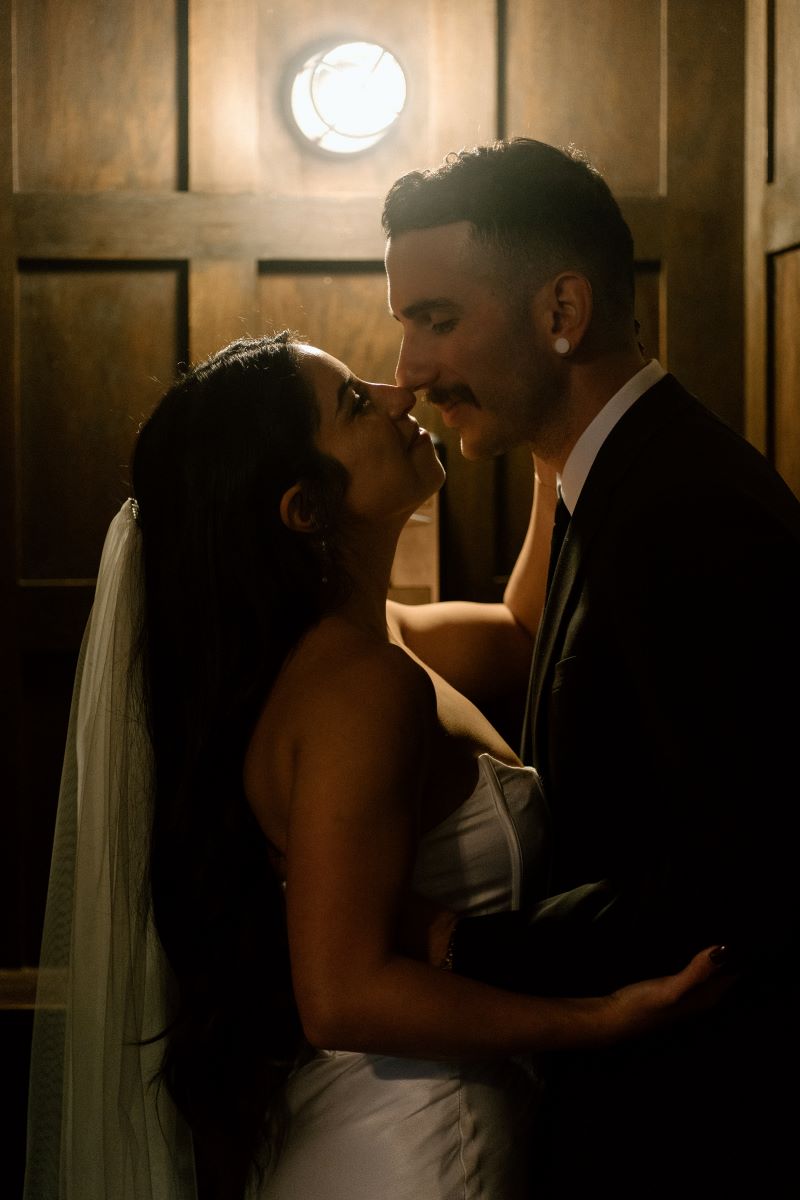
470	342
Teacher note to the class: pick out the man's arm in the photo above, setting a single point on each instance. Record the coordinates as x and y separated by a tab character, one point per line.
484	650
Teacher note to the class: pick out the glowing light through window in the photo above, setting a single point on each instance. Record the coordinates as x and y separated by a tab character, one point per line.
346	99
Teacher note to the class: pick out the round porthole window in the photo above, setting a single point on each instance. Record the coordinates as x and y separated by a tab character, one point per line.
345	99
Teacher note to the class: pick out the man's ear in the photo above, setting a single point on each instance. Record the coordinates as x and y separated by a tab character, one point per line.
568	305
295	512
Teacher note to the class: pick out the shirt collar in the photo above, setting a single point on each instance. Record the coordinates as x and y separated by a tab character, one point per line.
585	450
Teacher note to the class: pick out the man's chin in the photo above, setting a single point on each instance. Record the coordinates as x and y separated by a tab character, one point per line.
477	448
476	451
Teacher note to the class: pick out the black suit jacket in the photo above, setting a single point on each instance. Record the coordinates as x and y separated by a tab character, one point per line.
664	711
664	719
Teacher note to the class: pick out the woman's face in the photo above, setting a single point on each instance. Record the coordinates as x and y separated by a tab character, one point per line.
367	427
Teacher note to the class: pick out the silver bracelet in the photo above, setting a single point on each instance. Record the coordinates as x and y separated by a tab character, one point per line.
447	962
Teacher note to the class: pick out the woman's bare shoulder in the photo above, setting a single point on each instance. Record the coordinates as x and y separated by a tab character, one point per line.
340	662
341	693
367	711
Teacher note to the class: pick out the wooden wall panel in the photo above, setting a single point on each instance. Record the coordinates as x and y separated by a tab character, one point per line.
339	307
97	95
657	104
416	572
44	702
223	120
447	50
786	84
590	72
342	309
772	156
786	358
10	906
757	174
703	320
222	304
97	347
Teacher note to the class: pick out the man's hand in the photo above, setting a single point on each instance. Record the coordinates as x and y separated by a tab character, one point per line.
425	931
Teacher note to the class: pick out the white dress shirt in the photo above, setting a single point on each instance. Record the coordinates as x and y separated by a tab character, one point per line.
584	452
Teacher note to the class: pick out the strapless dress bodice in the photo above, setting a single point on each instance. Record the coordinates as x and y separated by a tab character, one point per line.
491	853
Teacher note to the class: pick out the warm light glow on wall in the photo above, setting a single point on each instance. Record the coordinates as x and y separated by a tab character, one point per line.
346	98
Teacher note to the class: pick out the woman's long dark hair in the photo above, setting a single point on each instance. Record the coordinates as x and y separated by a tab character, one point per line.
229	591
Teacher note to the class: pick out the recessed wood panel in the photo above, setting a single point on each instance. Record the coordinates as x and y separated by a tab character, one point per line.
45	696
98	95
589	72
786	367
447	51
786	83
415	570
339	307
221	304
705	193
757	171
98	345
223	90
342	309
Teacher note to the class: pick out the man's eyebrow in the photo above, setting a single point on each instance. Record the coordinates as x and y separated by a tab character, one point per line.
421	308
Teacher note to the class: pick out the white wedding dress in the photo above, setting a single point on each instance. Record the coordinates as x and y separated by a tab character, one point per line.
374	1127
363	1127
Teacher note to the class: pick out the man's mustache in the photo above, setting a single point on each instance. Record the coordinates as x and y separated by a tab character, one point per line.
446	397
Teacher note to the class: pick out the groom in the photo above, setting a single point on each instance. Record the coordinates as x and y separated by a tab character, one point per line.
663	708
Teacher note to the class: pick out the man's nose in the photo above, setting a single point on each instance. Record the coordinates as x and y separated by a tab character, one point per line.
395	401
414	370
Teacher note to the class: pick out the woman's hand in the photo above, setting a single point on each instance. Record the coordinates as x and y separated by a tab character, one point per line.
425	930
656	1003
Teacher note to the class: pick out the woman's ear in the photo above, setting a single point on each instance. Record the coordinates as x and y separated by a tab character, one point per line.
295	512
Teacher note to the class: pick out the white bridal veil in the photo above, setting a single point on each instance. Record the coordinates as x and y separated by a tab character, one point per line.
98	1127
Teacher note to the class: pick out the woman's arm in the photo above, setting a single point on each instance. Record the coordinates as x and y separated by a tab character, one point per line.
525	591
360	772
484	650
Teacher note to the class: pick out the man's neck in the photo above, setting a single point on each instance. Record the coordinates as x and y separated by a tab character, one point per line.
591	385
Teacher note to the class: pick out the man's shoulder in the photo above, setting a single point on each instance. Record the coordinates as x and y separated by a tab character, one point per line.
672	435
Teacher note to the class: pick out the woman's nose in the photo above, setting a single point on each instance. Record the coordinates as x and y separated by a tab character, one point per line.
395	401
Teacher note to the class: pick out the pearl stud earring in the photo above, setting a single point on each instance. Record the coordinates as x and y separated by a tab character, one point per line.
561	346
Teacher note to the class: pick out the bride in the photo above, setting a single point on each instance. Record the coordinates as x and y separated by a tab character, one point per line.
265	790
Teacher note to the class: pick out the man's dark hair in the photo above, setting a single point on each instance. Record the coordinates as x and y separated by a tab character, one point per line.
545	209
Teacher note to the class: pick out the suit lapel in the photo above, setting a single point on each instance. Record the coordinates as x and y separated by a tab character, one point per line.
615	460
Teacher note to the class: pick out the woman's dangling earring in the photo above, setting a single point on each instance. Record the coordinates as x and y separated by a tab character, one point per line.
323	549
